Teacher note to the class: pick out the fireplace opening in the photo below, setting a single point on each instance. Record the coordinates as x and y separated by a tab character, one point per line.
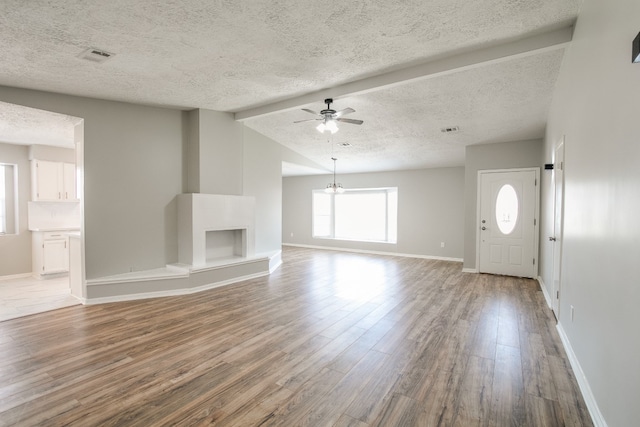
224	244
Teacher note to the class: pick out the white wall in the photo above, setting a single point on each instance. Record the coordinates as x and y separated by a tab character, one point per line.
596	106
430	210
507	155
15	249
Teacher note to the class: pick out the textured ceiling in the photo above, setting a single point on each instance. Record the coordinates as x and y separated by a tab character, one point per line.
27	126
231	56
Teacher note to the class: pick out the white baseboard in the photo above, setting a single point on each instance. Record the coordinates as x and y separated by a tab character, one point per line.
547	298
16	276
469	270
587	394
364	251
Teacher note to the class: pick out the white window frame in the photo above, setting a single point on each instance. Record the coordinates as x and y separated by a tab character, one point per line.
3	202
389	237
9	192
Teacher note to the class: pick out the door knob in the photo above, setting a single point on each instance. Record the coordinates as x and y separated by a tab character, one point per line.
552	239
484	228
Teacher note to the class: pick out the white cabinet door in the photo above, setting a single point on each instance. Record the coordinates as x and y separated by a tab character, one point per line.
46	182
53	181
69	181
55	256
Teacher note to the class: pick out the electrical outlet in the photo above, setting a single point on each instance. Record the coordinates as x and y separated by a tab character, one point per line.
572	311
442	244
291	234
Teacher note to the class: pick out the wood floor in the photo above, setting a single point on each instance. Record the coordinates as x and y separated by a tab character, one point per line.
329	339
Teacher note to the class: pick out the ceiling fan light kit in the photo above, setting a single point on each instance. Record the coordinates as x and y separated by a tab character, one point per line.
329	125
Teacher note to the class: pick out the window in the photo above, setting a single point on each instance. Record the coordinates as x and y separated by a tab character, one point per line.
364	215
7	199
507	209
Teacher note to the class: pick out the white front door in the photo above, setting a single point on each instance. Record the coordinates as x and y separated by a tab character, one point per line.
558	181
508	222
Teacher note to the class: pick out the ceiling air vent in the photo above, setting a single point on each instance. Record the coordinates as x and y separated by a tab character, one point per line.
450	129
95	55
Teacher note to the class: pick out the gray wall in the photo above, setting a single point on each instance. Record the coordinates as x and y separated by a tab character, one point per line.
15	249
220	154
133	171
430	210
507	155
596	106
263	180
136	160
53	154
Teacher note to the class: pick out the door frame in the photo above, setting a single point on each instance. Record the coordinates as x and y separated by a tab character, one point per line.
558	228
536	229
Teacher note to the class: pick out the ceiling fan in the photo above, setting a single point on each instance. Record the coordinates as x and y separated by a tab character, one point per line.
329	117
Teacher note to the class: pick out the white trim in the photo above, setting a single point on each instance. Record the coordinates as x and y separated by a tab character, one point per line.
364	251
587	394
470	270
544	292
16	276
275	261
170	293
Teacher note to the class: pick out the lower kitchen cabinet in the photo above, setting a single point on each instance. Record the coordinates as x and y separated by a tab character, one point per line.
50	253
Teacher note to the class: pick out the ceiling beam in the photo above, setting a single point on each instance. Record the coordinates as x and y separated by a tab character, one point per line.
540	43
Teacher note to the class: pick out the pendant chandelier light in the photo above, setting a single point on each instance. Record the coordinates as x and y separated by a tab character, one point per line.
334	187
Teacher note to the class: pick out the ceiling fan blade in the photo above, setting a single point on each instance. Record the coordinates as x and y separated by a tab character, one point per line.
344	112
352	121
307	120
310	111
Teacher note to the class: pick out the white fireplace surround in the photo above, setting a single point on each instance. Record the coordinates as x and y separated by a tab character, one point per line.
202	216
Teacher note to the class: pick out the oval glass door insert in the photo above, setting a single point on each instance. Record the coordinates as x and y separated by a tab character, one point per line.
507	209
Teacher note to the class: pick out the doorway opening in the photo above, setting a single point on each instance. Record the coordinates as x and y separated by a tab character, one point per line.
53	218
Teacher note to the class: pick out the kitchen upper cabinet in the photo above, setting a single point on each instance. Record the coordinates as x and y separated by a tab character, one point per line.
69	181
53	181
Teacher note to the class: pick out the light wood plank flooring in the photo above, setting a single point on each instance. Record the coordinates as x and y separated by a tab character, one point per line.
329	339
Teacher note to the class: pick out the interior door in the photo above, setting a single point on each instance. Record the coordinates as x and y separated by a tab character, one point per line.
508	206
558	182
